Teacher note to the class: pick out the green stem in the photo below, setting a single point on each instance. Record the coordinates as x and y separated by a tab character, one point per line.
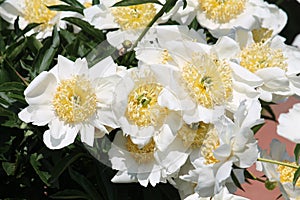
277	162
256	178
156	17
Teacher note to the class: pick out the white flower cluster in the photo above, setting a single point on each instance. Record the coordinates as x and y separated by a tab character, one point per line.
187	110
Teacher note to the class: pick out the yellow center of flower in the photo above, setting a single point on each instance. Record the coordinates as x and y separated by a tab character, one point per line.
287	173
210	143
260	55
222	11
87	4
142	108
134	17
36	11
141	155
193	135
75	100
261	34
209	83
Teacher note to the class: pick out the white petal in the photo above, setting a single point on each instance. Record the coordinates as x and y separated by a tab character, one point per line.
243	75
104	68
87	132
123	177
222	152
224	171
169	100
65	67
40	115
41	89
289	125
226	48
66	139
105	87
274	79
164	138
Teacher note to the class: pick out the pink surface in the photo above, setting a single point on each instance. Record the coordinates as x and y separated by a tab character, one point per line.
256	190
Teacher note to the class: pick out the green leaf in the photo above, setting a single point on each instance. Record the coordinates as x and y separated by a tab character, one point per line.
86	28
296	176
1	1
34	161
70	194
85	184
28	28
74	3
297	152
34	44
16	26
4	75
257	127
9	168
95	2
135	2
12	87
16	49
47	53
63	165
66	8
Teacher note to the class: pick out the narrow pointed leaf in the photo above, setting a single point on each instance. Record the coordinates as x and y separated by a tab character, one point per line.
47	53
86	28
85	184
297	153
34	161
134	2
66	8
63	165
73	3
296	176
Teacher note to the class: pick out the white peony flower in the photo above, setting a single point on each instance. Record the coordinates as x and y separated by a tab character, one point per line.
264	66
231	143
72	98
35	11
145	107
279	174
289	126
203	79
147	164
222	195
129	20
220	17
135	17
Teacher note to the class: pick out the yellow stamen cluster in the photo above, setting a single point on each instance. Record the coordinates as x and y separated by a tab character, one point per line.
75	100
194	135
222	11
209	83
261	34
87	4
142	107
141	155
260	55
134	17
165	57
287	173
36	11
209	145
